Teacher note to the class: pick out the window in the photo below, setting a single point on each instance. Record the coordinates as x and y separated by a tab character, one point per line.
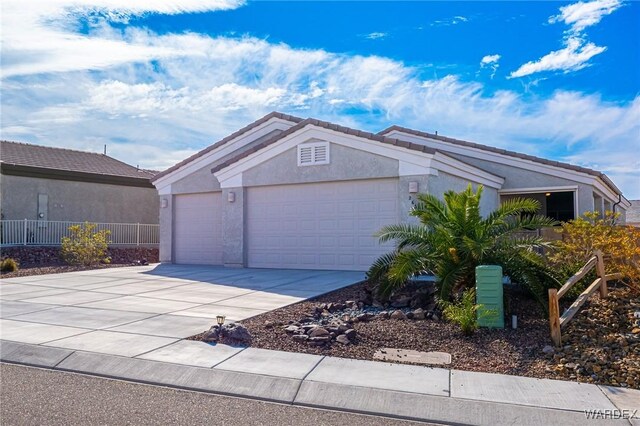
312	154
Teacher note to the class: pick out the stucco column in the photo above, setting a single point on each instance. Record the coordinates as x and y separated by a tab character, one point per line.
406	199
166	228
233	221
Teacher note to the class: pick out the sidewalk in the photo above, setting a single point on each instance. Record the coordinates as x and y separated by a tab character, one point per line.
403	391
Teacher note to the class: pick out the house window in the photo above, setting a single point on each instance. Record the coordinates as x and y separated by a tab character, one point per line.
313	154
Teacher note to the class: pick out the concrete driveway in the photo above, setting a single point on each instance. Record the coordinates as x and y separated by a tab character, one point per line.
135	311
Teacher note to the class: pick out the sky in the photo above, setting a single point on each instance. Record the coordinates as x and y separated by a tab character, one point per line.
157	81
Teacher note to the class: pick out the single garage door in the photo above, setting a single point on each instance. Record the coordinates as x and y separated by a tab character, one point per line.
319	225
198	228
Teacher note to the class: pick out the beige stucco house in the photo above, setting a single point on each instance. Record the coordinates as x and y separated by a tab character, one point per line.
55	184
284	192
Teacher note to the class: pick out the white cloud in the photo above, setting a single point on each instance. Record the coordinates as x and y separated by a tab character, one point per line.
376	36
37	35
156	115
573	57
585	14
491	62
577	50
450	21
489	59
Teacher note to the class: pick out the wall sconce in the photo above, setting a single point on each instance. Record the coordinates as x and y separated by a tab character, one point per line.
231	197
413	187
164	203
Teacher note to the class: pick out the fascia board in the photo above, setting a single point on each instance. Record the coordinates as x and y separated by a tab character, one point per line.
237	143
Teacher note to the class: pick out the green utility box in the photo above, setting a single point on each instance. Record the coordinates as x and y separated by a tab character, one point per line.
489	295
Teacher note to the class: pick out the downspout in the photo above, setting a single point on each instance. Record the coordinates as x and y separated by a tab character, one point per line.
615	204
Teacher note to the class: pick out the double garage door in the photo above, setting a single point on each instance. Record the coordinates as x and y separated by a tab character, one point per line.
319	225
305	226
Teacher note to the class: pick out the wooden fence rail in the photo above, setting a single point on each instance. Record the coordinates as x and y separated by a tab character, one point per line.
557	321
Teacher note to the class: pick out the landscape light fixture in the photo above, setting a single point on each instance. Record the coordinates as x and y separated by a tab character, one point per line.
220	320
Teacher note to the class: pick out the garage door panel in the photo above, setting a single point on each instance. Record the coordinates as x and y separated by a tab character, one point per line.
321	225
198	228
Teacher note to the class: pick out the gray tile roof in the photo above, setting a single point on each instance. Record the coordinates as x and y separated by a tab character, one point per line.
633	214
60	159
232	136
504	152
326	125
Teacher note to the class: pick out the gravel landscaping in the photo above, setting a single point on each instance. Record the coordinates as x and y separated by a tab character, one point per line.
602	343
46	260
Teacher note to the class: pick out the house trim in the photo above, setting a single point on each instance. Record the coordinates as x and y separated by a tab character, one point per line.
44	173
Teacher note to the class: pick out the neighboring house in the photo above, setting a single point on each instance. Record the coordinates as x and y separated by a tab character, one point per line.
285	192
633	214
55	184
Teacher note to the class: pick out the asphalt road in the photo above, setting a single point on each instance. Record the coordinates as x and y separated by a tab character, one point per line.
33	396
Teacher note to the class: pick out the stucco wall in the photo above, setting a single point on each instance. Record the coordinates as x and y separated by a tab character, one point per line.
78	201
346	164
444	182
203	180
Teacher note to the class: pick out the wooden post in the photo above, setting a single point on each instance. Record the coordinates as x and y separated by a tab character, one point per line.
601	274
554	317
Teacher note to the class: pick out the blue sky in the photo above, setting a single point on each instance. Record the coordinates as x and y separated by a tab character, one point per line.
157	81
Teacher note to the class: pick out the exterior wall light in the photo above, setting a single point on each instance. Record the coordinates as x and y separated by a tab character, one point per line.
164	203
413	187
231	197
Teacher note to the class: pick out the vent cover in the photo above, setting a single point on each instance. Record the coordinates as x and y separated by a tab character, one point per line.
311	154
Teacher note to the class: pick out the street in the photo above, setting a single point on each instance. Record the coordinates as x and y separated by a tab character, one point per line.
45	397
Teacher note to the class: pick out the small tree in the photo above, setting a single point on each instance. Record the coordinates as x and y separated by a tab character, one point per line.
85	246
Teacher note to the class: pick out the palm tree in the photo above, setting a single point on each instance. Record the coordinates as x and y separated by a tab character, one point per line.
452	238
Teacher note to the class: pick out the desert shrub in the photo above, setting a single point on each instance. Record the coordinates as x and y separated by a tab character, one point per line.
463	312
582	236
86	245
8	265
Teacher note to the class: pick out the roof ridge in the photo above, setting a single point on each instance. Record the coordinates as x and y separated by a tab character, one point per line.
226	139
57	148
330	126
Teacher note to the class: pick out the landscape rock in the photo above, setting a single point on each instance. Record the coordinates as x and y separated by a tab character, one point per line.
398	315
343	339
350	334
300	337
236	332
292	329
318	332
548	350
419	314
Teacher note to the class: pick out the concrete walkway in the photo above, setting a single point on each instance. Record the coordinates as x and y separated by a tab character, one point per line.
129	323
132	311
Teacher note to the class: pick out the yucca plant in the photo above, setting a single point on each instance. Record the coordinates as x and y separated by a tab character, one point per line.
452	238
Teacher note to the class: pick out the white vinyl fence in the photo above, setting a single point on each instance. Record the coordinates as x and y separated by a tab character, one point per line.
49	233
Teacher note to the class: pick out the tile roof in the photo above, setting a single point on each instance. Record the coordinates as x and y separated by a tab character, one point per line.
232	136
62	159
330	126
504	152
633	214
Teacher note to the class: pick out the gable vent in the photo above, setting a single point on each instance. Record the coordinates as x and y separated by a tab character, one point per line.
310	154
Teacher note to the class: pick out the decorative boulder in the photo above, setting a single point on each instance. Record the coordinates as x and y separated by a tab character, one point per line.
236	332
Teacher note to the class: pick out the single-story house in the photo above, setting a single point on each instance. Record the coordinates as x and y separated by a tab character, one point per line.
54	184
284	192
633	213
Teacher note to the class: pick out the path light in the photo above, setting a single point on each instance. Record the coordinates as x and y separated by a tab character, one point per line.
220	320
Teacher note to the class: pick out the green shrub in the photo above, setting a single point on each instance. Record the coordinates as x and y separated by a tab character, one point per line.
8	265
463	312
85	245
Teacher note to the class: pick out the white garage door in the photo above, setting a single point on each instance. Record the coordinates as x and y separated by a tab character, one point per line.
198	228
319	225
